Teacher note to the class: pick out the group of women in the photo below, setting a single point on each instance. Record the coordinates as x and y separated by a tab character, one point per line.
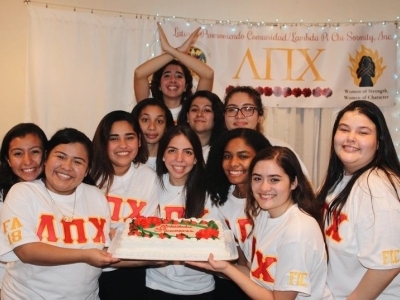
64	199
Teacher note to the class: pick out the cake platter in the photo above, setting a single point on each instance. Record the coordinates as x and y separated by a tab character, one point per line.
158	253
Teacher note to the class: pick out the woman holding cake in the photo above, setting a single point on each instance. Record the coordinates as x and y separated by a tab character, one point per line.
172	80
180	169
204	113
154	119
227	180
120	152
56	227
287	258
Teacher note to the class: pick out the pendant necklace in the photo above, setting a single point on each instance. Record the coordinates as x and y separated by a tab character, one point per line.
65	218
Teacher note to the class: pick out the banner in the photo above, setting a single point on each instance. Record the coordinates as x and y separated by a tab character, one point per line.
296	65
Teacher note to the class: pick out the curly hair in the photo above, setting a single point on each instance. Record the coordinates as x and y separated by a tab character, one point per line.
218	110
217	183
156	81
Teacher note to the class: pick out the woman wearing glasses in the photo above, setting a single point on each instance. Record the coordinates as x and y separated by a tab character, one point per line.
244	109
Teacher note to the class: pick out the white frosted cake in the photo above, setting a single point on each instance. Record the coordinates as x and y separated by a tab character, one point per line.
155	238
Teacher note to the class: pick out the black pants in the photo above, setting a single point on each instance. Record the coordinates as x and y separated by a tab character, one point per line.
123	283
226	289
159	295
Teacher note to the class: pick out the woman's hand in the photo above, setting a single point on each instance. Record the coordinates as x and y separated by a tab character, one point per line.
165	46
211	264
184	48
99	258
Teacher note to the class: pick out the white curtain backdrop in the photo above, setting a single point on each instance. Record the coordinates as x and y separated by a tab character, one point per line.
81	64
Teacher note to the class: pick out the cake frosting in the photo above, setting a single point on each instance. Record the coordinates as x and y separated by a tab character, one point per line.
181	239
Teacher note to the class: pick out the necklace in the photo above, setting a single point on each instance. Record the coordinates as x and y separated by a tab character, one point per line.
65	218
238	193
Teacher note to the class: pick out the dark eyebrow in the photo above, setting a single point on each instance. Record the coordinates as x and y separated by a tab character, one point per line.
74	157
243	105
126	134
178	72
131	133
243	152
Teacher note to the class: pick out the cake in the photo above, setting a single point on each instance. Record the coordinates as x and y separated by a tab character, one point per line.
156	238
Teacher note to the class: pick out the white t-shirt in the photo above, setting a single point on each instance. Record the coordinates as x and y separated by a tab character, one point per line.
232	211
133	194
177	278
206	151
175	112
29	215
289	255
151	162
368	235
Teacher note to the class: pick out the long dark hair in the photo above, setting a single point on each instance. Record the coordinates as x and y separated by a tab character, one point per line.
156	81
303	194
7	176
217	107
385	159
72	135
194	188
217	182
103	170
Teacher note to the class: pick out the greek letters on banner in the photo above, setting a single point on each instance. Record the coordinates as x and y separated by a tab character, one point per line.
298	66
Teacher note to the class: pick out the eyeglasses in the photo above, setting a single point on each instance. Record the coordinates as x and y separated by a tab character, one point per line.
246	111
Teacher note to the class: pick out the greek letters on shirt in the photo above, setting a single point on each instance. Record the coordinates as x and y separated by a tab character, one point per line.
241	224
263	269
177	212
117	208
389	256
72	232
332	231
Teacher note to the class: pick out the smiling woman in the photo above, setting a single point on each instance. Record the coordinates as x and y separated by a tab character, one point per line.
21	159
227	181
203	111
48	217
154	119
21	155
282	208
120	151
172	80
361	194
182	194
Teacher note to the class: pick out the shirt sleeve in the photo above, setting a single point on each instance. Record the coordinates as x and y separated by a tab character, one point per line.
377	224
17	219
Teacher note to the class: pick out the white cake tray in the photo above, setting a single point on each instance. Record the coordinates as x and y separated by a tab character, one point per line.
174	256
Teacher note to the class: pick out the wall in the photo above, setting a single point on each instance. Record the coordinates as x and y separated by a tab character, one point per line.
13	28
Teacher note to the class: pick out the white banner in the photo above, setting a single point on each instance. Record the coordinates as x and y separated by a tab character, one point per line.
298	66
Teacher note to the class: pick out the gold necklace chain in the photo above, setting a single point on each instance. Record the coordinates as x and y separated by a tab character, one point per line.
65	218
